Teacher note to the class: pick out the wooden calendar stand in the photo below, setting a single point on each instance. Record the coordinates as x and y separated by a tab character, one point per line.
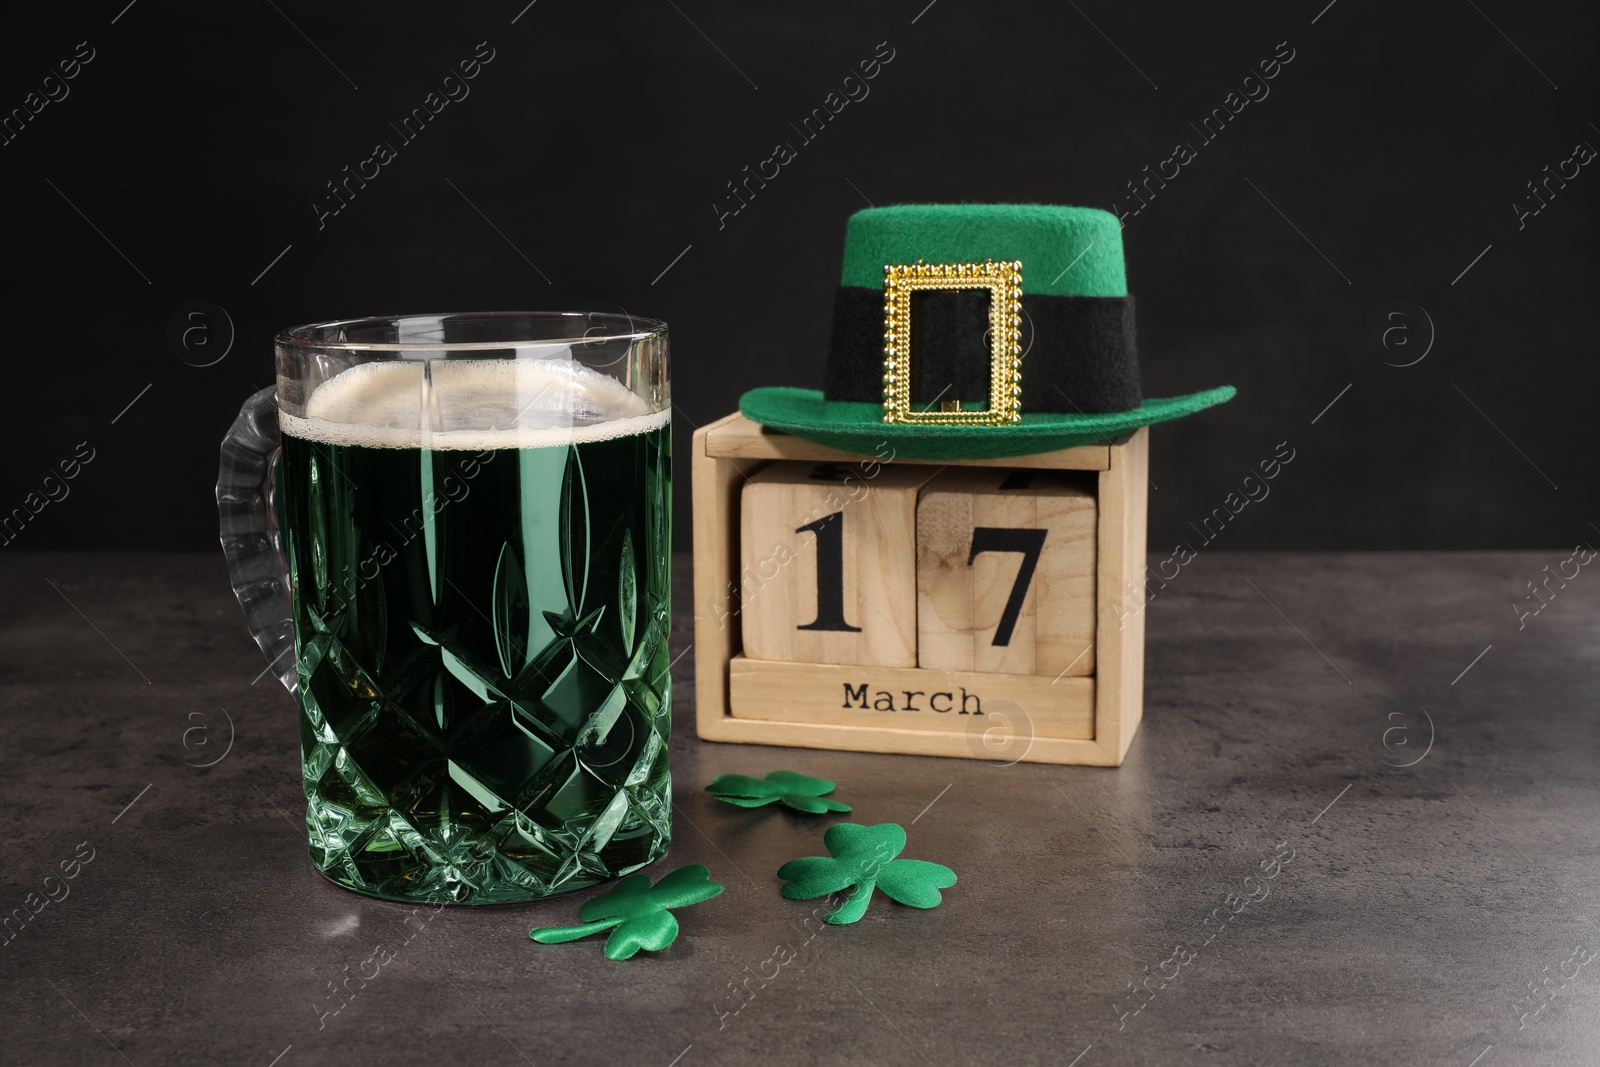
948	677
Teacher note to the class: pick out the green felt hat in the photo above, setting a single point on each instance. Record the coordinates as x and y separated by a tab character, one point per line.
1045	356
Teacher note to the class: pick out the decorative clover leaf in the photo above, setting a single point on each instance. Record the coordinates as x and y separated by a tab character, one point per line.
864	857
796	790
637	911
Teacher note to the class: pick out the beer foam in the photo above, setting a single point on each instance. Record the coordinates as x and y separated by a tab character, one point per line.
478	404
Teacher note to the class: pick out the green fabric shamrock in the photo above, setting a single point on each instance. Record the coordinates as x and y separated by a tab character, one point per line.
638	911
863	857
796	790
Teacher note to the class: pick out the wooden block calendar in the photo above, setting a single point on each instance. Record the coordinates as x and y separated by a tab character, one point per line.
881	605
1005	572
824	575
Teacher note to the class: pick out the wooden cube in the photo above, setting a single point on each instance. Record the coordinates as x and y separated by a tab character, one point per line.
998	716
1005	572
827	574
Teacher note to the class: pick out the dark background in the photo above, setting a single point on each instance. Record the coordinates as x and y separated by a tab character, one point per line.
592	148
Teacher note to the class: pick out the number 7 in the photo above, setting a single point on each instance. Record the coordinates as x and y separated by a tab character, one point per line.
1005	539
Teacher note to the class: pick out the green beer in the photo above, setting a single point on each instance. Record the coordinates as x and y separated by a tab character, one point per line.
480	613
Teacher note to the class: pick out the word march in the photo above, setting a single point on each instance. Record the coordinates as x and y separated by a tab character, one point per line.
884	700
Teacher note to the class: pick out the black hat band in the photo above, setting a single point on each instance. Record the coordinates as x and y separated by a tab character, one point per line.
1078	352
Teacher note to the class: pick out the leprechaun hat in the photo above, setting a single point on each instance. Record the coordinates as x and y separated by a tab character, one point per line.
977	331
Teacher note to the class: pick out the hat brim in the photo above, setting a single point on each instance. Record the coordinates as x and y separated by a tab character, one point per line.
859	427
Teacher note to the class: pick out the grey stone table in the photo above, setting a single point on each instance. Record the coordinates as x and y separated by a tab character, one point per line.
1359	826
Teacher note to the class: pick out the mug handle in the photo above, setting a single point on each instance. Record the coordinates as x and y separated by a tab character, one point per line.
252	544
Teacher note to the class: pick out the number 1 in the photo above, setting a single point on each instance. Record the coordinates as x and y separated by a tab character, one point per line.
830	574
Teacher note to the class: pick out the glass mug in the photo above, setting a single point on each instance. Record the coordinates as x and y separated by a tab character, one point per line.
450	534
